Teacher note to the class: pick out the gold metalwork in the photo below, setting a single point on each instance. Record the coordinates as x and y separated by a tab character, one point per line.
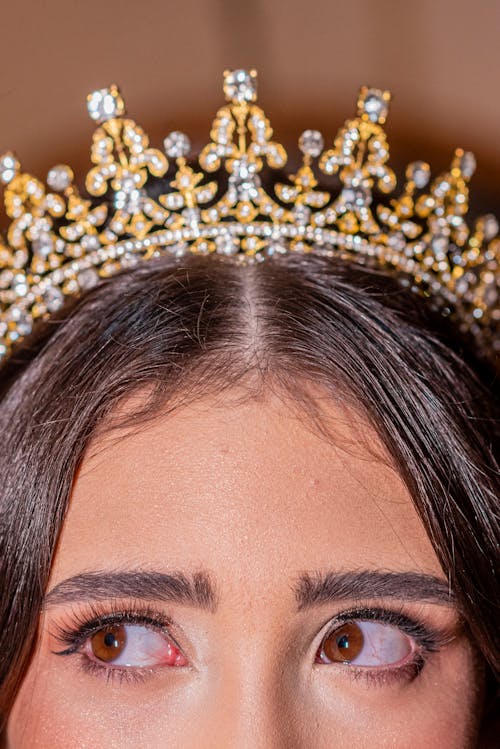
137	205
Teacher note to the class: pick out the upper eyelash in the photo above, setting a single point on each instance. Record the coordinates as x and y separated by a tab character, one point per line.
86	623
83	625
429	639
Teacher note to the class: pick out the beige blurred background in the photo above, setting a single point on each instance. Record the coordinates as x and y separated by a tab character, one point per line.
440	59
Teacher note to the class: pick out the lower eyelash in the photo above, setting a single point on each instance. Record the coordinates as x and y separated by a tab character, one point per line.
114	675
427	641
383	677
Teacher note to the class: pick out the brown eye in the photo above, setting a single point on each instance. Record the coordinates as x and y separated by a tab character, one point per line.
108	643
344	644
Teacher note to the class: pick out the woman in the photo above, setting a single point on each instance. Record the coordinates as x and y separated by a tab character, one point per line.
247	504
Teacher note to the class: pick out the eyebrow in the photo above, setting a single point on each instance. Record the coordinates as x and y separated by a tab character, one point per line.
195	590
316	589
199	590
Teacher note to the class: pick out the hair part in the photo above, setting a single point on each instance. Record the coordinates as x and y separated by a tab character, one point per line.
182	328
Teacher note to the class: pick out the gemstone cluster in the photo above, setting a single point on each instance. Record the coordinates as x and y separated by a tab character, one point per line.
140	202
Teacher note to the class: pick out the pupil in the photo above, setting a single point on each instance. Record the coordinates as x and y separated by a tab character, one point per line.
343	642
110	640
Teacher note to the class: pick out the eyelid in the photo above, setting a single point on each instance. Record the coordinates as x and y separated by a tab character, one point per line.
84	624
428	638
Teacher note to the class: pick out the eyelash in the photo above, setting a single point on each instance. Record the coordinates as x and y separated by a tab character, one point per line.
427	639
82	625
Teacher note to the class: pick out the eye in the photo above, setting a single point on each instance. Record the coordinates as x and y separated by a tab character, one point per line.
132	646
366	644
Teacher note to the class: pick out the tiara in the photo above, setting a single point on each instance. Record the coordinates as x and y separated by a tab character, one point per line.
235	199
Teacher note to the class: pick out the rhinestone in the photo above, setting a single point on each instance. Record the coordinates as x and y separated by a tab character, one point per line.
357	196
396	241
53	298
9	167
355	178
60	177
24	324
88	278
105	104
240	86
42	246
374	105
311	143
439	245
20	285
179	249
490	296
226	244
243	169
128	201
301	214
191	216
467	164
489	225
419	172
129	260
90	242
177	145
276	248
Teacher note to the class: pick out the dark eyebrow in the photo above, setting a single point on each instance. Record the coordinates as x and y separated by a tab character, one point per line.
316	589
196	590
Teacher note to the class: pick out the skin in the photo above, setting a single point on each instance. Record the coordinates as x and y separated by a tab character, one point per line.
250	493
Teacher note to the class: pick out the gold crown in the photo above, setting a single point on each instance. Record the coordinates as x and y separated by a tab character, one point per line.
137	206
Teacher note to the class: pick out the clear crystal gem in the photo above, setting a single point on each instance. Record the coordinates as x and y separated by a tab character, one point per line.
356	197
311	143
60	177
467	164
226	244
131	202
128	180
24	324
43	245
240	86
276	248
439	246
179	249
397	241
191	217
88	278
90	242
20	284
177	145
53	298
9	166
374	105
243	169
489	225
301	214
419	172
105	104
129	260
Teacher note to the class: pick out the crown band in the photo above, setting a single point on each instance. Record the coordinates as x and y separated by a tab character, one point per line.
60	242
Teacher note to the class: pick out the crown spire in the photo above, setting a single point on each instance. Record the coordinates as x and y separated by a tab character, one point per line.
140	201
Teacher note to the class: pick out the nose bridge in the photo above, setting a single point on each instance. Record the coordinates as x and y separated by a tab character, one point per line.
255	669
252	703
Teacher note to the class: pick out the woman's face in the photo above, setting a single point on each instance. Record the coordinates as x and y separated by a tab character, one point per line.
227	578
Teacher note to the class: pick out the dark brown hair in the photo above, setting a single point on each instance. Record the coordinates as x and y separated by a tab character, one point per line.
184	327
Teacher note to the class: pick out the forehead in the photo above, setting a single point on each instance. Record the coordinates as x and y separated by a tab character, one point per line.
242	489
